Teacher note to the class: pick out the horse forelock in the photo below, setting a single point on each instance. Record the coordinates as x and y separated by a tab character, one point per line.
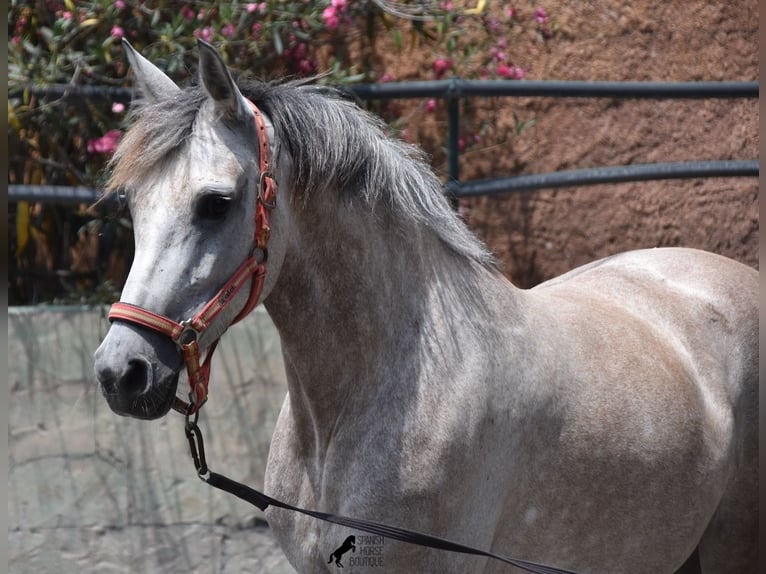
158	133
335	148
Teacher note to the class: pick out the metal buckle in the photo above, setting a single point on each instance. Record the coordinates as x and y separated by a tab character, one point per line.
189	334
196	446
262	186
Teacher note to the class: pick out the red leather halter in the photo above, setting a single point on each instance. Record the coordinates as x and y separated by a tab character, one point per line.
186	333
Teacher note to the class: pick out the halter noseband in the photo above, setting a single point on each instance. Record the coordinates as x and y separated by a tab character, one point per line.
186	334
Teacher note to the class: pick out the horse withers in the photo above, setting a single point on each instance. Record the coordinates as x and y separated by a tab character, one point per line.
604	421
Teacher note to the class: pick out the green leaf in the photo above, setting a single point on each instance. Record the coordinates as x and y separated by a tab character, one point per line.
47	34
520	125
278	46
397	37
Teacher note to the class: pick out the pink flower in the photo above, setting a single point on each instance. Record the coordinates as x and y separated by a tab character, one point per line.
206	33
330	17
493	25
118	107
442	66
301	51
259	7
541	16
512	12
307	66
66	15
119	4
256	29
339	4
188	13
229	30
106	143
430	105
117	32
386	78
510	72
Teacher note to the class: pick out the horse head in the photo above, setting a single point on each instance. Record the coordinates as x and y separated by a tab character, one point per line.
189	169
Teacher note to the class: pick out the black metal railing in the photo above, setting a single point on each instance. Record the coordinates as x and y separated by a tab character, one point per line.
455	89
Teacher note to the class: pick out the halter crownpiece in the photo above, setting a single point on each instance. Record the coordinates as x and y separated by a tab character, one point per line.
185	334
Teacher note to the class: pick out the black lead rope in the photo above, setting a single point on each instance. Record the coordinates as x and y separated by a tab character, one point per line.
263	501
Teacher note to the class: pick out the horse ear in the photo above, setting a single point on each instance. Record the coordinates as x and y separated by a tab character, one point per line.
152	82
219	84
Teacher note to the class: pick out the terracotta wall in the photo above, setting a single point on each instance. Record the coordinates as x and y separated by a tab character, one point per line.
543	234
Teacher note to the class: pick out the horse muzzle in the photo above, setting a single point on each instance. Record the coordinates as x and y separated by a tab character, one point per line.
137	371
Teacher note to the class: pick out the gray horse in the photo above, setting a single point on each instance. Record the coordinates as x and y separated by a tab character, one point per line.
605	421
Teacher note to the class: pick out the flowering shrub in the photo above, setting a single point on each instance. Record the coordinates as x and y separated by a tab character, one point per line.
66	140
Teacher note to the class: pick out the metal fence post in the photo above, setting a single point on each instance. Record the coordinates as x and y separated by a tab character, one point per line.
453	137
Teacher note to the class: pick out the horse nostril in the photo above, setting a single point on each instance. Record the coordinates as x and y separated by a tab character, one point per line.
136	378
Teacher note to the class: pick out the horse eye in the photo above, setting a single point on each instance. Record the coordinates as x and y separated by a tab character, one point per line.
213	207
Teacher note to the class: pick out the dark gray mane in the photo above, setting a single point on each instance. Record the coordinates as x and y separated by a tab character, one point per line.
334	147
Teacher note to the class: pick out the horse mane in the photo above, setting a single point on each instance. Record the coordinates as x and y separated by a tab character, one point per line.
335	147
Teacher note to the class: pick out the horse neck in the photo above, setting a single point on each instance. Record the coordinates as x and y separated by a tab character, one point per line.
356	300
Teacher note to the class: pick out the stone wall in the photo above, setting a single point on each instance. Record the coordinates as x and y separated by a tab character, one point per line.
90	491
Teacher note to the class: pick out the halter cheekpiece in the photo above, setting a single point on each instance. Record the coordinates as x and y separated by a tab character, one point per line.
186	334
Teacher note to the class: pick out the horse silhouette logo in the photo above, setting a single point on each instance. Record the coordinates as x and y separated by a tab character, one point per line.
348	544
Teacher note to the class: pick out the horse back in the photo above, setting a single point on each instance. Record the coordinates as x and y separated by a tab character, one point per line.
674	329
702	306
